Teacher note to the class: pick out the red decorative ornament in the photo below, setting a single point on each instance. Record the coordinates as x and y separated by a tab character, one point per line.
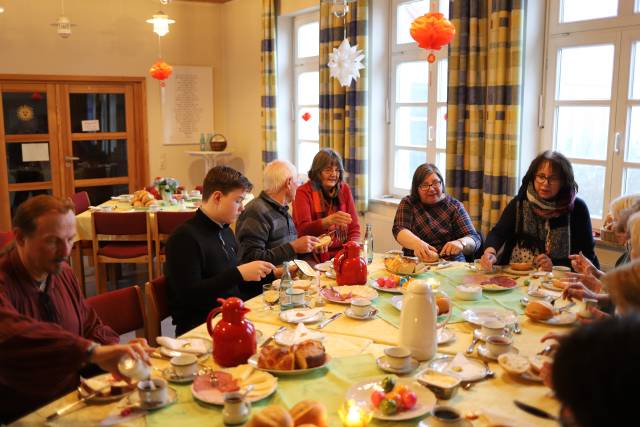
36	96
160	71
432	31
306	116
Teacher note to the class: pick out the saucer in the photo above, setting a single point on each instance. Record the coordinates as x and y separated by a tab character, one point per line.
483	351
331	274
432	421
172	396
171	376
446	336
370	315
383	364
477	333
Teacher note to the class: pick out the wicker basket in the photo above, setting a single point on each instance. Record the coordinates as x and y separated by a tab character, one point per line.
218	142
608	236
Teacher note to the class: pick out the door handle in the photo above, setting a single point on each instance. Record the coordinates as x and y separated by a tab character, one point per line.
616	142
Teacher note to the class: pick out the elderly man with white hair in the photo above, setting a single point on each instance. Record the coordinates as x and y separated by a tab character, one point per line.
265	230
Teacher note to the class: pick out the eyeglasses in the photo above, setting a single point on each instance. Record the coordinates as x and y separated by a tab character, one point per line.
542	178
331	171
426	187
49	310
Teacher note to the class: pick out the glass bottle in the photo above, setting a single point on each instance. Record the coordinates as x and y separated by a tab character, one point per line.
286	285
367	245
203	147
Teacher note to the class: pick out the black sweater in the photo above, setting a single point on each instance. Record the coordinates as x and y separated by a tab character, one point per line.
201	267
504	233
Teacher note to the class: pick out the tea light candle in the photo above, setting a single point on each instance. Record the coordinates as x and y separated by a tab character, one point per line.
354	415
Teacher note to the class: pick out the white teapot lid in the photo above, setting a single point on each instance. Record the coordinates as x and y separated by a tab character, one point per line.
419	287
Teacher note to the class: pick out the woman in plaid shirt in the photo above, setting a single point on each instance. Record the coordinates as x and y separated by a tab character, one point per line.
429	222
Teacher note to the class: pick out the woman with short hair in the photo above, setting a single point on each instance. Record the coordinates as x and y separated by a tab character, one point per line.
430	223
545	222
324	204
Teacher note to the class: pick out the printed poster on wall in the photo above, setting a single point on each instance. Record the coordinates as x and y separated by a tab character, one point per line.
187	105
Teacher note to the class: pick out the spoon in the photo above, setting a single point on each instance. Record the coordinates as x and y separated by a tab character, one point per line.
474	341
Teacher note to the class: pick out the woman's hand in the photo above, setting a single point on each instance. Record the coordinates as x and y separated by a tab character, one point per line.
577	291
581	264
338	219
452	248
255	271
425	251
595	316
543	262
488	260
591	282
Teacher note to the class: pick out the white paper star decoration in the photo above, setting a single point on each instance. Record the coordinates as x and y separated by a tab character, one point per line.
345	63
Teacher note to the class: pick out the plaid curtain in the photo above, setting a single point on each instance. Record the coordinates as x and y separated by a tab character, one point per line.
343	111
485	67
268	81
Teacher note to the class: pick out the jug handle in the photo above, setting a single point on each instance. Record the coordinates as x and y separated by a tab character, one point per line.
210	317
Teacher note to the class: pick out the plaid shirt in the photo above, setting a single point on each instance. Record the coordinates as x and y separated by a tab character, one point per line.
435	224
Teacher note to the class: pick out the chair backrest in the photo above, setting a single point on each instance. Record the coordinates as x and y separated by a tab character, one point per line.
122	310
81	201
169	221
157	307
5	238
130	225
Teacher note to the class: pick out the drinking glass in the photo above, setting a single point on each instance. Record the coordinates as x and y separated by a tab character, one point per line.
270	296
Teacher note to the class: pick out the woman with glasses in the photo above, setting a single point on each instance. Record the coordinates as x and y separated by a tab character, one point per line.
324	204
430	223
545	222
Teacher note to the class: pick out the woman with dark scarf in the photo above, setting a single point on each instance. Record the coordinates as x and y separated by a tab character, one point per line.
324	204
545	222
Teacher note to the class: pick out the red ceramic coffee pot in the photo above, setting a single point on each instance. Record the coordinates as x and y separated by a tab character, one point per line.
350	267
234	337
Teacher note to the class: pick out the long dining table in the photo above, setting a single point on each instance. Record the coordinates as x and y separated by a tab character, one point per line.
354	346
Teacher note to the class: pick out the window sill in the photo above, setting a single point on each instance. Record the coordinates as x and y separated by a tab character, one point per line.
604	244
385	201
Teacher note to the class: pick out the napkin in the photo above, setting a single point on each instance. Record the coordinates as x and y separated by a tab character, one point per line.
185	345
464	369
299	315
299	334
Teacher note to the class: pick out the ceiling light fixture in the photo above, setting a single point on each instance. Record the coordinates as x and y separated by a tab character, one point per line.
63	24
161	23
339	7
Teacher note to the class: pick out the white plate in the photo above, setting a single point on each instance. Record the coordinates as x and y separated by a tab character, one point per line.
551	287
483	351
324	266
330	274
446	336
396	302
509	270
383	364
285	337
477	372
167	352
372	294
170	375
103	399
361	392
478	316
370	315
172	396
497	288
396	290
253	361
563	319
477	333
289	317
218	398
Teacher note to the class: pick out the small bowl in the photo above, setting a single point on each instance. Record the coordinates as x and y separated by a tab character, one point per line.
442	385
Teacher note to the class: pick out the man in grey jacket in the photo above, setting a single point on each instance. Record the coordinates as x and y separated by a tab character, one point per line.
265	230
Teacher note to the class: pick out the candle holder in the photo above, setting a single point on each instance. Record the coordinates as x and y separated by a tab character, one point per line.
355	414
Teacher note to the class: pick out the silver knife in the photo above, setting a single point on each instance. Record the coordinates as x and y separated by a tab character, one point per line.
534	411
71	406
329	320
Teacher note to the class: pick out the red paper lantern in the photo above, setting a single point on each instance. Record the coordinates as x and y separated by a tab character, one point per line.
160	71
432	31
306	116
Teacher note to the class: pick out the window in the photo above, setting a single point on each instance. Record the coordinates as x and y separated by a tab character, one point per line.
417	98
592	107
306	81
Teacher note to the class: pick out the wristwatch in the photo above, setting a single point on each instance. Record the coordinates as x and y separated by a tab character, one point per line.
90	350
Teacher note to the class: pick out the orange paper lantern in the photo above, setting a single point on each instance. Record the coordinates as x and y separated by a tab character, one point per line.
432	31
160	71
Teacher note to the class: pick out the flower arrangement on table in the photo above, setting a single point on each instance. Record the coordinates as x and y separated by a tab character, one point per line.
166	186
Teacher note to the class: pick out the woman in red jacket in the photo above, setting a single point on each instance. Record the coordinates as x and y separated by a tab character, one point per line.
324	204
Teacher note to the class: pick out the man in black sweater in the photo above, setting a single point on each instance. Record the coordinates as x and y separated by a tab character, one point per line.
202	254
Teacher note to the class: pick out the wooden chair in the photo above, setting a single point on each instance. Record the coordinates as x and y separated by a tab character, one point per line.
6	237
81	247
164	225
122	310
157	307
120	238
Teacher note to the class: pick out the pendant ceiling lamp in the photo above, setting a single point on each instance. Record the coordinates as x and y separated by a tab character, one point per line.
63	24
161	23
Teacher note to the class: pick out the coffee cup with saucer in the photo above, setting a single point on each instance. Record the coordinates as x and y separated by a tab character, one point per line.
397	360
360	308
184	368
491	327
495	345
154	393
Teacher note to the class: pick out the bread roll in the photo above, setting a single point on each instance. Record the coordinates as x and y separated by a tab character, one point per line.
521	266
538	361
309	354
309	412
514	363
443	304
271	416
539	310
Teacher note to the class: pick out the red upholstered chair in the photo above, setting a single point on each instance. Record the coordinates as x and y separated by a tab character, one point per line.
81	247
164	225
157	307
120	238
199	188
122	309
5	238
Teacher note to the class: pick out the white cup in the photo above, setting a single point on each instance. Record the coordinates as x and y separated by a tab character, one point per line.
398	357
499	344
185	365
360	306
153	394
494	327
560	271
